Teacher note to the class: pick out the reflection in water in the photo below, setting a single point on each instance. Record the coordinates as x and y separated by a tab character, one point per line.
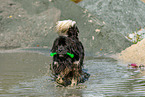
27	74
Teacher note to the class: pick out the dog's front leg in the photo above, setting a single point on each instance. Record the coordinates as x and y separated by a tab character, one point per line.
54	64
75	77
62	75
74	81
59	78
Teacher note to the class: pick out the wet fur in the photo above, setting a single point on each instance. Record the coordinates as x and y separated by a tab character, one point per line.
67	70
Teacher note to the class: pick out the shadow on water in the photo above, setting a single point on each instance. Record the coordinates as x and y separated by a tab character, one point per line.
26	73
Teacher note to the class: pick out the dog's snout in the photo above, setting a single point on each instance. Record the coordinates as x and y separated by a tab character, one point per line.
61	49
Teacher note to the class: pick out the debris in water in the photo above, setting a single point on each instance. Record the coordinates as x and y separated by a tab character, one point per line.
10	16
97	30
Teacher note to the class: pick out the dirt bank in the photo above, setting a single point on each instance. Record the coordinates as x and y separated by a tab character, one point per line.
134	54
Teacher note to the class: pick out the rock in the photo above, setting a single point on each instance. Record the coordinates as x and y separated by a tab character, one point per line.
29	23
125	16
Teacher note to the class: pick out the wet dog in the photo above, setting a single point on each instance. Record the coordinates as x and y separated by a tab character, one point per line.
68	54
69	28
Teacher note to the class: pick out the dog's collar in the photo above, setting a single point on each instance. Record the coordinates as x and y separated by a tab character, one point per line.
71	55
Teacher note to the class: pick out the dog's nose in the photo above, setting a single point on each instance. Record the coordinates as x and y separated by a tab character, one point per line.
60	50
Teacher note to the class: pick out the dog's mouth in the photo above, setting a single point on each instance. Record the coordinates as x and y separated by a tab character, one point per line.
61	55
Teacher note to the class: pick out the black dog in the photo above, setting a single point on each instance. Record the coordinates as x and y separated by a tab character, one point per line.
68	55
69	28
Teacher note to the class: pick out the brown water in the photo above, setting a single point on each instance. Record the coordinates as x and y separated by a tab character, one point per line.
25	73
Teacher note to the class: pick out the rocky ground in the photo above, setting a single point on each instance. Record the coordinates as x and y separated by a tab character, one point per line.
31	24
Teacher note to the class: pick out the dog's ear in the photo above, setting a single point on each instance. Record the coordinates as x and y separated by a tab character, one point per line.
55	45
74	47
76	29
73	31
81	55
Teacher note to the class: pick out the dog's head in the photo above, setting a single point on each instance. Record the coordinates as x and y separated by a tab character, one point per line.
67	28
63	46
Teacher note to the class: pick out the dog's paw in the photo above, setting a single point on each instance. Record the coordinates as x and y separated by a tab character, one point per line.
73	82
59	80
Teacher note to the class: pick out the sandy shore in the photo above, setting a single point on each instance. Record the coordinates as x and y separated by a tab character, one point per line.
134	53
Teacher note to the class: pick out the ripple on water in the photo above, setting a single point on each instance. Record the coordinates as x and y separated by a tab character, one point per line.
115	81
107	78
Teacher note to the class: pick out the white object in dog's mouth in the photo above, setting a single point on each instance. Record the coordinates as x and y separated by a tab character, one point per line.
61	55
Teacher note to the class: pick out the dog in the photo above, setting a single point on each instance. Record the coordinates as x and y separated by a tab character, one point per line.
69	28
67	63
66	69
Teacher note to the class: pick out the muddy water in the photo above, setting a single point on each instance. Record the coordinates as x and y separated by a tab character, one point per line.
25	73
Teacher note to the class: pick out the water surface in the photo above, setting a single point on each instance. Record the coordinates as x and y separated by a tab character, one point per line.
25	73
